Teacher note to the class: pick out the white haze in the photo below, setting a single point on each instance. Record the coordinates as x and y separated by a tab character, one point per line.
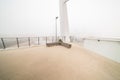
98	18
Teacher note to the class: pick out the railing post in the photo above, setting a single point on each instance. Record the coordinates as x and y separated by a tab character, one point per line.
17	42
52	38
3	43
70	38
38	41
57	38
64	38
29	41
46	39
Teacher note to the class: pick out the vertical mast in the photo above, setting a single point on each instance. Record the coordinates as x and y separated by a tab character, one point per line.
64	27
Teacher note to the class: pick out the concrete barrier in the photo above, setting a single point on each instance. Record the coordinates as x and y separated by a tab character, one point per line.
60	42
52	44
66	45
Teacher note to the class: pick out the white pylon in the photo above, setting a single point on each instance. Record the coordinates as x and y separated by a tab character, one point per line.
64	26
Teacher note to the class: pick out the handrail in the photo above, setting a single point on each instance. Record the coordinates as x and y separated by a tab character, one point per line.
10	42
105	39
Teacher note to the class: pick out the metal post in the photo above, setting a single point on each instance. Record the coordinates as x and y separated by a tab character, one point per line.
3	43
58	37
38	41
70	38
46	39
56	27
17	42
29	41
64	38
52	38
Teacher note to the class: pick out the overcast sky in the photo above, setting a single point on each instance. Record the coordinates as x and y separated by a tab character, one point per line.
99	18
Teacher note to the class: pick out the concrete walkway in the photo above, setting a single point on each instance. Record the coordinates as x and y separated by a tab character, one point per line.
56	63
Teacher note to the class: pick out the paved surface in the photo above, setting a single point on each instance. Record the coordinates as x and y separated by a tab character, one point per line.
56	63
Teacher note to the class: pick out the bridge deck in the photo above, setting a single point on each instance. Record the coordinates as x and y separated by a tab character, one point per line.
56	63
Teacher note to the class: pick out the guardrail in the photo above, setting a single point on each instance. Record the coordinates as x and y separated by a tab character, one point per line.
17	42
24	41
80	39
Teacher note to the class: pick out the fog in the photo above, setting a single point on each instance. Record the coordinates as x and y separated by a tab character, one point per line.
94	18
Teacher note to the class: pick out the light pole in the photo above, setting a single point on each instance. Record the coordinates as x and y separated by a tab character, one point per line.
56	27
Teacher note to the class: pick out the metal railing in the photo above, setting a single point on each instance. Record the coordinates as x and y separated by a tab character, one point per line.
17	42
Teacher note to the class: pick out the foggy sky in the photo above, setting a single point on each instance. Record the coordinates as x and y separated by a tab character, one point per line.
99	18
